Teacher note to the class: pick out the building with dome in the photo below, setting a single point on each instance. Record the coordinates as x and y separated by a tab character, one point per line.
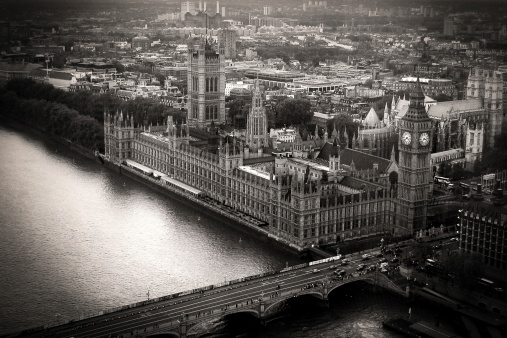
141	42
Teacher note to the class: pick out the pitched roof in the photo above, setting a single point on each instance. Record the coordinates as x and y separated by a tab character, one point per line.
359	184
362	161
401	103
444	109
371	119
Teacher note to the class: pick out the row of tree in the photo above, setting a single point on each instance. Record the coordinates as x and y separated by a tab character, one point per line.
87	103
312	55
54	118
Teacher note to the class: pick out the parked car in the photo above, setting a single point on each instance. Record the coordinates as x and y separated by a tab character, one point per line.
332	267
360	267
366	257
382	260
395	260
345	262
379	255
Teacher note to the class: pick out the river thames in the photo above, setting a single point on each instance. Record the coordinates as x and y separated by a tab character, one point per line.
78	238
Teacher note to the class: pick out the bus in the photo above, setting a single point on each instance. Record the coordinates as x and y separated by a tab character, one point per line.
465	187
442	180
486	283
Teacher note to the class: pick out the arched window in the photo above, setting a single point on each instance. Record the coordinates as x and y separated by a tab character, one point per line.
473	90
207	85
216	84
490	92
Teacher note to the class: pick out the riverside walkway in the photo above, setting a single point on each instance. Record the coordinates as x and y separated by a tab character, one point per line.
192	312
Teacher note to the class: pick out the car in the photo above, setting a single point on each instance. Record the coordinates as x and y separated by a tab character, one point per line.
340	272
379	255
332	267
382	260
371	268
384	265
395	260
454	239
315	270
360	267
344	262
383	270
366	257
389	251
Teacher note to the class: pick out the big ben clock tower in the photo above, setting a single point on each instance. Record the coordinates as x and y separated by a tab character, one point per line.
414	183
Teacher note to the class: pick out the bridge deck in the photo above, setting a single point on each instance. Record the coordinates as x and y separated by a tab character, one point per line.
255	296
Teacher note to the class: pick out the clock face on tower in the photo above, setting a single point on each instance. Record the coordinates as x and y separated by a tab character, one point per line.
406	138
424	139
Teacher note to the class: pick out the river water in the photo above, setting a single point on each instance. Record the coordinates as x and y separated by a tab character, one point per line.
78	238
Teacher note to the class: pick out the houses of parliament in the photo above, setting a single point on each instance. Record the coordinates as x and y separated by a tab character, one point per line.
329	195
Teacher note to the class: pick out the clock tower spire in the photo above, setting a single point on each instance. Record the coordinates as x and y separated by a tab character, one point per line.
414	184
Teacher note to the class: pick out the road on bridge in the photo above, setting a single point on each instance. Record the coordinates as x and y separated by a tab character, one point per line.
154	316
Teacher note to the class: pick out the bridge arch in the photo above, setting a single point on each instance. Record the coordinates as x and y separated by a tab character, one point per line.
367	280
164	334
253	312
315	294
200	326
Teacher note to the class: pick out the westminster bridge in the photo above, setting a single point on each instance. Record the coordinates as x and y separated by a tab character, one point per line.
193	312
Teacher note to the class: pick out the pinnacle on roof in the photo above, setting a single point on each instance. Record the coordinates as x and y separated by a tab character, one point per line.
416	110
417	93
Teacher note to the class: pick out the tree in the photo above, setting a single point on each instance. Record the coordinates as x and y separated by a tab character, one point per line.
119	67
467	267
293	112
443	97
421	251
59	60
496	157
368	83
236	106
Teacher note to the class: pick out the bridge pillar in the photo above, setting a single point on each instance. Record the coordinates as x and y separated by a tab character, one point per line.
183	327
262	308
325	301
